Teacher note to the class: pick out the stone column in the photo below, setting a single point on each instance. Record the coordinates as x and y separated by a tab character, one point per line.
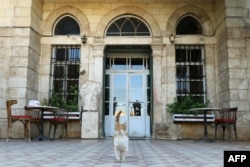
164	88
97	66
157	87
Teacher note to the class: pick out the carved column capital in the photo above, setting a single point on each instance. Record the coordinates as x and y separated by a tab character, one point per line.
98	50
157	50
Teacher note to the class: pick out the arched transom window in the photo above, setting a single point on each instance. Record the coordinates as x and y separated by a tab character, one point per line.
189	25
67	26
128	26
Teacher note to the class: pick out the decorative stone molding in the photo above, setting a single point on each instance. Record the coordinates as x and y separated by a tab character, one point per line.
157	50
193	10
98	50
150	20
60	12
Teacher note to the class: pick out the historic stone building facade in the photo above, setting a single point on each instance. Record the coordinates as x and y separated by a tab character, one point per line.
137	61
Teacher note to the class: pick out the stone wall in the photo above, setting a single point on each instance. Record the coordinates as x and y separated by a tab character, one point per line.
233	60
20	58
222	54
26	39
94	17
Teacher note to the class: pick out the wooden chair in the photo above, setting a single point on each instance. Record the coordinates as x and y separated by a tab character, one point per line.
24	119
35	117
226	117
60	118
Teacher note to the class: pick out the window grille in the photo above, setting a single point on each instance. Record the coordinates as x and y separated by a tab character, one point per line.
128	26
190	73
65	70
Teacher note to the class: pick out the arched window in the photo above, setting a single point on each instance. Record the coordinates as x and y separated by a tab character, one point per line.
189	25
128	26
67	26
65	65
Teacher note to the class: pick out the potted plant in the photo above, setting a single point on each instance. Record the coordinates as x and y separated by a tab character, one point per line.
58	100
180	110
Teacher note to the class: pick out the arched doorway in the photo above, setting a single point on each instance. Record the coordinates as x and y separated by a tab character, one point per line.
127	88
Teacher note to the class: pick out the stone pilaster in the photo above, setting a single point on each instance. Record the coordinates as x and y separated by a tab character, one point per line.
97	68
96	74
157	123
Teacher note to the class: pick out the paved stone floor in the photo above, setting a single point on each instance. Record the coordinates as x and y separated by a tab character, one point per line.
99	153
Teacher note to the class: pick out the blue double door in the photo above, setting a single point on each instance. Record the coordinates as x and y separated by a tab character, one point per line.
128	93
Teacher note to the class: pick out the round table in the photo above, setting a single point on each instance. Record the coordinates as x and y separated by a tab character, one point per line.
205	110
41	135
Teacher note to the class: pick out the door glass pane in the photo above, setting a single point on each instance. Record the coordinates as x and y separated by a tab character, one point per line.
120	108
106	110
120	88
137	64
136	88
119	94
119	64
136	81
119	81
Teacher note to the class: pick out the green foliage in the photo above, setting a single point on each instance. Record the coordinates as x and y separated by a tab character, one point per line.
58	99
73	103
184	106
45	102
82	72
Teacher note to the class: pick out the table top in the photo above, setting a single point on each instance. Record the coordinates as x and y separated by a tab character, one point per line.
205	109
42	107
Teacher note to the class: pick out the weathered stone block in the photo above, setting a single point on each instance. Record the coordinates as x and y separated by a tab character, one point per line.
89	128
238	94
238	84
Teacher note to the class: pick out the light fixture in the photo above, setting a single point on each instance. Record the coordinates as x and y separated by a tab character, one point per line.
84	39
172	38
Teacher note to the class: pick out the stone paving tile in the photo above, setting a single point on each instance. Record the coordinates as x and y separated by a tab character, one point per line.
99	153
